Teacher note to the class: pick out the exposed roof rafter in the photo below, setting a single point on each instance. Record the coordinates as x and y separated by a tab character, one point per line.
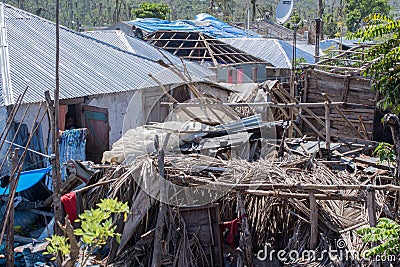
197	46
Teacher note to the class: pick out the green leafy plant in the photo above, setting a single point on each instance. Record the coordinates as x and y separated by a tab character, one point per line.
58	245
385	152
385	67
96	227
387	233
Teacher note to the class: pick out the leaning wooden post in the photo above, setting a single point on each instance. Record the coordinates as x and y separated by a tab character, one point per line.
371	208
247	244
55	162
328	128
10	226
313	220
157	256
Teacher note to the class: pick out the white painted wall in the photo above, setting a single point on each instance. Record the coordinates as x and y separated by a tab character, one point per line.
120	116
125	109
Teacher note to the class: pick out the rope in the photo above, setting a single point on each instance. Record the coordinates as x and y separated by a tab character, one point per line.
31	150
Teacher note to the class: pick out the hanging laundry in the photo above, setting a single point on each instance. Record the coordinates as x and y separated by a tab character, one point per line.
69	202
230	231
72	146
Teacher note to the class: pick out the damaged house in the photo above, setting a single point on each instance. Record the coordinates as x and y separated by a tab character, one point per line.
98	82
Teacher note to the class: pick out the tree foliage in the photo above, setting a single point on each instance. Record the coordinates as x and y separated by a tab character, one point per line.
387	233
357	10
385	69
152	10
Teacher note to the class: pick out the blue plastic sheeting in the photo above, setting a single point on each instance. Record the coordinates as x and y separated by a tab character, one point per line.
27	180
204	23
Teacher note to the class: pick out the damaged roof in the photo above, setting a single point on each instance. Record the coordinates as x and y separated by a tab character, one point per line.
139	47
199	47
87	66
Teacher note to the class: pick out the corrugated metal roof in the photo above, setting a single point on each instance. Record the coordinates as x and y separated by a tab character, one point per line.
277	52
87	66
139	47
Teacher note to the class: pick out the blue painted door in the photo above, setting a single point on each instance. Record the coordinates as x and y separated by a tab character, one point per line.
96	121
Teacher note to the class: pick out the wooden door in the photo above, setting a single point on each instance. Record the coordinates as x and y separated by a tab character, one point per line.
95	119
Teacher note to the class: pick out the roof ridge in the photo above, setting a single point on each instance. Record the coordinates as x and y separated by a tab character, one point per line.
74	32
122	37
276	41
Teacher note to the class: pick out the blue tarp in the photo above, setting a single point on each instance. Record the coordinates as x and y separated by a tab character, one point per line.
27	180
204	23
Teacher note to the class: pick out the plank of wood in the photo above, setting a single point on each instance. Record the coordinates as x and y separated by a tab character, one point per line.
313	221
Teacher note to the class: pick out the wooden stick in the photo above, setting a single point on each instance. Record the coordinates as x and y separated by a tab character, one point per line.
247	244
344	116
86	188
14	137
298	186
371	208
11	195
328	128
363	127
285	195
314	221
10	225
287	116
332	67
11	117
269	104
157	253
283	93
68	229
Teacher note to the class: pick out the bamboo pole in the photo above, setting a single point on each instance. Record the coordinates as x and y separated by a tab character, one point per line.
10	225
314	221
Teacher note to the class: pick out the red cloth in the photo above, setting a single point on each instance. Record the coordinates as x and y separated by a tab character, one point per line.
233	227
69	202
